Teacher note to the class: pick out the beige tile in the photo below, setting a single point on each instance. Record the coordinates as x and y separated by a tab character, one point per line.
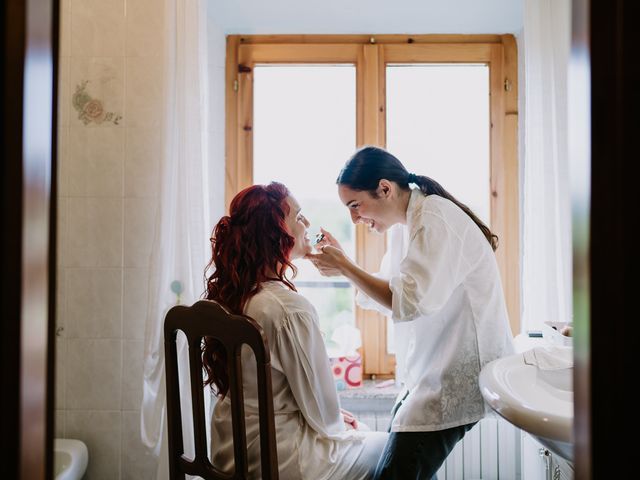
94	233
132	358
63	159
144	102
101	432
61	234
58	427
61	370
142	162
94	374
61	239
137	462
97	28
65	7
64	99
61	301
100	79
62	225
65	32
95	162
145	28
139	226
134	311
94	303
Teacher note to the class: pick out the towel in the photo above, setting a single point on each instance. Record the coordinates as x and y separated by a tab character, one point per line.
549	358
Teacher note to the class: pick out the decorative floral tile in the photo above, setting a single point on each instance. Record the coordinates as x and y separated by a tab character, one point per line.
91	110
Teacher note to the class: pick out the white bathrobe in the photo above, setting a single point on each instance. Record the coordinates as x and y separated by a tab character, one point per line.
312	439
449	314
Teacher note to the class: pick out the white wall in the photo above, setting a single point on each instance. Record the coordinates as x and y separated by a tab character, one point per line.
217	55
368	16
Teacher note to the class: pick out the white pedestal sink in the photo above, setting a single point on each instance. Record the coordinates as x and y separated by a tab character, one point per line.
538	401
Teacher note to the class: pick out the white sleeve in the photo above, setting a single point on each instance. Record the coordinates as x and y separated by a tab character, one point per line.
397	242
305	363
365	301
434	267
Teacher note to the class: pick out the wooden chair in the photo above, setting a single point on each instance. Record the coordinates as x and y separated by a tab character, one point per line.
208	318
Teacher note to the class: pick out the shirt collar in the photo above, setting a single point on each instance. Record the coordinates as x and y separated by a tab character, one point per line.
415	200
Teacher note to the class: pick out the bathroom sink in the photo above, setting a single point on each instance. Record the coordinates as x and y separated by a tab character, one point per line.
539	401
70	459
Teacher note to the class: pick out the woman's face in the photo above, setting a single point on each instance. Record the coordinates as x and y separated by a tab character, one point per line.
363	208
297	224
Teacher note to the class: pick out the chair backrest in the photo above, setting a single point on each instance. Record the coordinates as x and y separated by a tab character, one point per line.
208	318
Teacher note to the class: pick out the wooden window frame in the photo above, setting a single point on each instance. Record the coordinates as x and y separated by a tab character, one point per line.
370	55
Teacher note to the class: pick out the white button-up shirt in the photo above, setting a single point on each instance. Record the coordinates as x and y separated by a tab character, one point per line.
449	314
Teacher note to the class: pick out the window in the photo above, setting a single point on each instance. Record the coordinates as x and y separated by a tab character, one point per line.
303	129
298	106
431	106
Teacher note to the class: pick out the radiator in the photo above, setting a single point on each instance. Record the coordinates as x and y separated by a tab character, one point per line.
489	451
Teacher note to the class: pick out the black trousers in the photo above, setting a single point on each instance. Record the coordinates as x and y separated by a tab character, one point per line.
417	455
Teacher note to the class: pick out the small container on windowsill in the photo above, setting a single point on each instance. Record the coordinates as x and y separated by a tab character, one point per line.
347	371
558	333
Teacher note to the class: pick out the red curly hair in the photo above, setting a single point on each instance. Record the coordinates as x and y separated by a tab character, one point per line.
249	246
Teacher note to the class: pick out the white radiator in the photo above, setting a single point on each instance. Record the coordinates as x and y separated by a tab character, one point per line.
489	451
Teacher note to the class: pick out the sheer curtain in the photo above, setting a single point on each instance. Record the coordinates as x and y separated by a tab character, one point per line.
546	282
181	246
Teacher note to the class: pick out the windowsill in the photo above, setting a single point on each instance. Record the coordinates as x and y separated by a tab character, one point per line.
369	398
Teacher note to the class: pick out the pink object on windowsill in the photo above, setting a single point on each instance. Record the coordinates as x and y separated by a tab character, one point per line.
347	371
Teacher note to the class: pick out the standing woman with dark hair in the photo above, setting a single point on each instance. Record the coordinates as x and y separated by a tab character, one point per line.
252	251
445	299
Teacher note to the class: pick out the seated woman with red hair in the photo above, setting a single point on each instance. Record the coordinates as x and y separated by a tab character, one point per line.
252	251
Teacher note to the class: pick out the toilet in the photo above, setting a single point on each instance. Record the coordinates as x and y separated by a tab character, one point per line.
70	459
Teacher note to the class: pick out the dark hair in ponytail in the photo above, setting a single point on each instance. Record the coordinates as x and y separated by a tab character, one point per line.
364	170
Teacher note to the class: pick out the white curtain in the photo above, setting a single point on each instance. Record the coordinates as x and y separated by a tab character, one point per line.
546	282
181	245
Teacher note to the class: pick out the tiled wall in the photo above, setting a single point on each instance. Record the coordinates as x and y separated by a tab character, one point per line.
110	111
